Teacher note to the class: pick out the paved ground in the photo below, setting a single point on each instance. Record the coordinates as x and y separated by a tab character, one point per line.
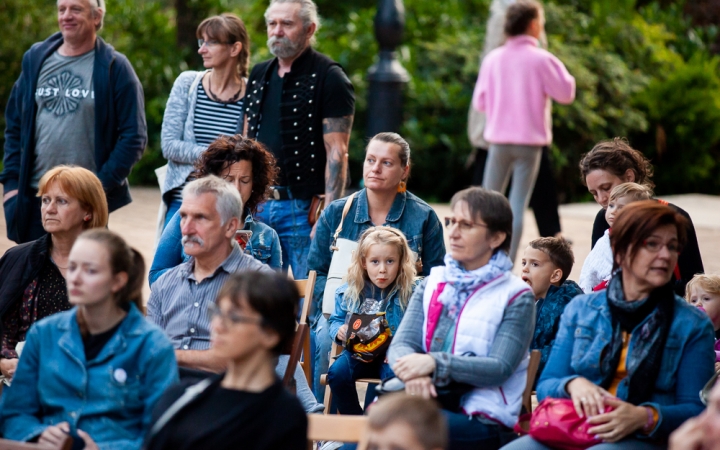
137	223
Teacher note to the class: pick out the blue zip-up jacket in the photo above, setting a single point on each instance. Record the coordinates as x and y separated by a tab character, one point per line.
120	129
687	361
110	397
408	213
547	318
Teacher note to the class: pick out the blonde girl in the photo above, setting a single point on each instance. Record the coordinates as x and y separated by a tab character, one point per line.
703	291
380	280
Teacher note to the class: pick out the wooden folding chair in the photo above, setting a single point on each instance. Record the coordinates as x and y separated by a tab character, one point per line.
531	375
301	342
5	444
337	428
335	350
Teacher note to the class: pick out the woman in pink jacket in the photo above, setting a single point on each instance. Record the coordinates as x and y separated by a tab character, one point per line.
516	83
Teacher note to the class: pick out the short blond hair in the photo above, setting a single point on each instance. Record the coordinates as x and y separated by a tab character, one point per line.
708	282
635	191
83	185
422	415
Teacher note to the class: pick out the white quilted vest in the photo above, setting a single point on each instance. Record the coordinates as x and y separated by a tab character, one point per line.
477	326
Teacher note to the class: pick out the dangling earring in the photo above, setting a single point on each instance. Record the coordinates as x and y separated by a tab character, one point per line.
402	187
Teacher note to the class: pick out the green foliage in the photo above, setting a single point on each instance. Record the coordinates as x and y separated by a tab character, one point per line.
685	107
642	72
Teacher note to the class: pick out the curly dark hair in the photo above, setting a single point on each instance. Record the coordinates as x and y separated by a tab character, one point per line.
616	156
225	151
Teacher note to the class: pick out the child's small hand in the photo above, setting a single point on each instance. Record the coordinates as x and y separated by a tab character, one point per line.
717	366
342	333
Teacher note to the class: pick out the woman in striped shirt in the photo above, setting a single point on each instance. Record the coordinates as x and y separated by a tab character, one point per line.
204	105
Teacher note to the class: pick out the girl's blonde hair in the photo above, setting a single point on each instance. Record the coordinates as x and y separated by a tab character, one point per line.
709	283
635	191
357	275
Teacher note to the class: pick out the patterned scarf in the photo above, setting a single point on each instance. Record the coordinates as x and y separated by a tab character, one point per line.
462	283
649	340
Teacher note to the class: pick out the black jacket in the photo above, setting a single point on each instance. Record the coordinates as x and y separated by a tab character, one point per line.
301	119
120	129
274	419
18	267
689	261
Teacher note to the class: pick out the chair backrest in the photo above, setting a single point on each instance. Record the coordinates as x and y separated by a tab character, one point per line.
301	342
306	288
65	444
531	374
335	427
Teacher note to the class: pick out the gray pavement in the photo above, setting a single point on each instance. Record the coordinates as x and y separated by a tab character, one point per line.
137	223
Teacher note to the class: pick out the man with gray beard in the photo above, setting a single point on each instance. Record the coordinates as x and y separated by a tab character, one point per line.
300	104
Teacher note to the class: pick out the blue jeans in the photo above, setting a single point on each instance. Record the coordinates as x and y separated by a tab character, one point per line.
321	343
528	443
172	208
342	375
469	433
289	219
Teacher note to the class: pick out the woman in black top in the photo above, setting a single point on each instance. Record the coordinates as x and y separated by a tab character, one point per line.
33	274
614	162
253	321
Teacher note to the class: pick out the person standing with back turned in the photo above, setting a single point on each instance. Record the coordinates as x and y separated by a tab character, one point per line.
516	83
300	104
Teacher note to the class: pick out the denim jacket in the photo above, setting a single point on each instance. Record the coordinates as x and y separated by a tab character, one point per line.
393	308
687	361
409	214
110	397
264	246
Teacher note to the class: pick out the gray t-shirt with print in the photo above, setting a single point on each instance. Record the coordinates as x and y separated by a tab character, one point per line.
65	121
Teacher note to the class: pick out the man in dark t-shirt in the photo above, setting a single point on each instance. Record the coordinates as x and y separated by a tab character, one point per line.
300	105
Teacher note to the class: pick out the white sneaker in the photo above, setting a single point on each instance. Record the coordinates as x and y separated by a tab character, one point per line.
329	445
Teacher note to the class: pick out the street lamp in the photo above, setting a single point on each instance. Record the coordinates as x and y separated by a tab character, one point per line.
387	77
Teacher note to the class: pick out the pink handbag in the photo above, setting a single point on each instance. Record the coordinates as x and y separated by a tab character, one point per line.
556	424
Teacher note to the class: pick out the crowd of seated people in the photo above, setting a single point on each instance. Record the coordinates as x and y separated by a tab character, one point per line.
631	349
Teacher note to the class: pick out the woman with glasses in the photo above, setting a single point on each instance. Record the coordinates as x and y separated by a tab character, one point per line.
384	201
636	347
204	105
253	321
251	168
613	162
464	338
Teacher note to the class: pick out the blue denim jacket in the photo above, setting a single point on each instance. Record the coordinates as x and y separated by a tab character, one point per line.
687	361
409	214
393	309
110	397
264	246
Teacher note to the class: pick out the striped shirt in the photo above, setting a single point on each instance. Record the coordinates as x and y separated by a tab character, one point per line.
214	118
179	304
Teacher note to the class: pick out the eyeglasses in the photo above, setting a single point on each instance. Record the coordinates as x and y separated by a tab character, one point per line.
463	225
210	43
655	245
231	317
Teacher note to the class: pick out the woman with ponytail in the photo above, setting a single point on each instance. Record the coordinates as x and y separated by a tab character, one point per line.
96	371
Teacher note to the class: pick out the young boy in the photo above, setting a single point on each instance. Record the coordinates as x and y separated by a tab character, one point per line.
597	268
401	422
546	265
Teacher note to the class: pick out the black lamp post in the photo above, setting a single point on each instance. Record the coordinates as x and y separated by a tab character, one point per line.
387	77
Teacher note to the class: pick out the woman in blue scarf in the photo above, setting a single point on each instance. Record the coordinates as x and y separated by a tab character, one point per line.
465	336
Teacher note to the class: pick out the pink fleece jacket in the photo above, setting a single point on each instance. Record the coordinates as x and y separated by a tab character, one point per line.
514	88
